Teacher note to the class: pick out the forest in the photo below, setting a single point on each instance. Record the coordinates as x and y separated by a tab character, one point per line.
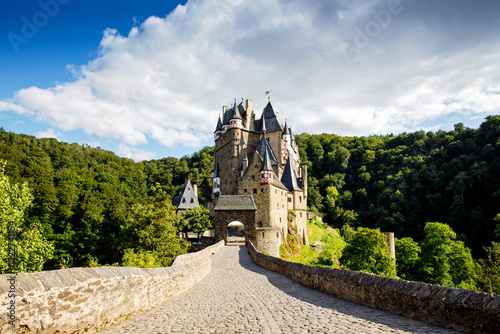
90	207
399	183
85	206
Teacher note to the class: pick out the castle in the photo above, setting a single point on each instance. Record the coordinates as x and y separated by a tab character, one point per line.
257	178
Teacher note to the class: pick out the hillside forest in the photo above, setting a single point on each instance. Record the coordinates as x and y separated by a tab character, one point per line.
85	206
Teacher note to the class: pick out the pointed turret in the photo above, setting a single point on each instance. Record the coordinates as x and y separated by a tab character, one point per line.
218	130
235	122
263	126
285	128
266	171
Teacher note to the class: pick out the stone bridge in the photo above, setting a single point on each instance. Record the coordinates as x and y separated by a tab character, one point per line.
239	296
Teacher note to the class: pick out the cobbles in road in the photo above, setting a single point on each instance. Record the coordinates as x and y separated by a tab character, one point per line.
241	297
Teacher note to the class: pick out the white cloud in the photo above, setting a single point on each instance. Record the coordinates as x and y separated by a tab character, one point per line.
49	133
168	78
135	153
8	105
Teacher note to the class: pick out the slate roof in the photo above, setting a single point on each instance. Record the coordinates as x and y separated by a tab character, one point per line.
271	121
266	162
235	202
236	112
263	147
187	198
289	177
219	125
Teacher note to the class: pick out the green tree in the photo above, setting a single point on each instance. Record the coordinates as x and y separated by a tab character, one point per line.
445	260
368	252
27	241
153	231
407	256
489	270
198	220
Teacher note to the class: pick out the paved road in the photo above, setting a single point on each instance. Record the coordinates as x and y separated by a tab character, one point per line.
241	297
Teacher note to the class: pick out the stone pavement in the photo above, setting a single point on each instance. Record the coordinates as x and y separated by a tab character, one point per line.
241	297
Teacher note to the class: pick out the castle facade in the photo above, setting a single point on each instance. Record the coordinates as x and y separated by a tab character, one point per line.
257	178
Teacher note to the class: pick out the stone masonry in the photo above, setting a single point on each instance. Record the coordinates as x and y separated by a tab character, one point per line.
458	309
81	300
240	297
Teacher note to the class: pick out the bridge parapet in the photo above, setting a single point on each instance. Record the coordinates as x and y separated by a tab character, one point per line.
78	300
458	309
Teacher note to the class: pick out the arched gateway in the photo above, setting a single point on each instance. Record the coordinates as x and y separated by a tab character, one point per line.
234	208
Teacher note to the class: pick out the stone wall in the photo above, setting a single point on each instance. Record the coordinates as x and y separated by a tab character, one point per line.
459	309
81	300
224	217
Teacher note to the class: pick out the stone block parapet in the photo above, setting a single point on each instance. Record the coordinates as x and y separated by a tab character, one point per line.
458	309
85	300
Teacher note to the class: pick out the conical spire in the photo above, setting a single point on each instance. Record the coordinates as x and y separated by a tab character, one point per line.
236	113
285	127
266	163
263	124
219	125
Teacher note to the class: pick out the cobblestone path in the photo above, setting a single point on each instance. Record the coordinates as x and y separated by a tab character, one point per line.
241	297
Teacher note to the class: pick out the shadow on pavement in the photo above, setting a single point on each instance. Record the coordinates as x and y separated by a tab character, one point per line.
324	300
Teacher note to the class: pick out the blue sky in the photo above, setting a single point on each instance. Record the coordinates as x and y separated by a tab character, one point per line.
148	80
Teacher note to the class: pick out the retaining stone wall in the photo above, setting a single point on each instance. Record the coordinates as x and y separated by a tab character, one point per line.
78	300
459	309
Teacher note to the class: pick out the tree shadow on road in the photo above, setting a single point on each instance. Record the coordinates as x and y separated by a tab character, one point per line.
327	301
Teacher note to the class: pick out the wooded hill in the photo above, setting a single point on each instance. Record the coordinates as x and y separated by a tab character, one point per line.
94	205
398	183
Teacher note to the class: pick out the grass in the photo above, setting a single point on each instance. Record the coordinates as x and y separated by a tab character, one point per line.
332	246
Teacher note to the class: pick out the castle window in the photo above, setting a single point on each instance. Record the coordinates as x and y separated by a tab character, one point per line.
263	234
275	191
289	200
277	235
253	177
254	190
261	190
236	182
244	190
301	214
300	199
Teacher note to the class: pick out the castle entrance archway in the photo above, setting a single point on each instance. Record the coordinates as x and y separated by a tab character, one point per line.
235	232
235	214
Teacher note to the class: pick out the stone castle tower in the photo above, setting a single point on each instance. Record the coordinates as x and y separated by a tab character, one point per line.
257	178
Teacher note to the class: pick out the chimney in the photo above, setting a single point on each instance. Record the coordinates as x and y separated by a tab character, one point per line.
224	108
249	112
195	189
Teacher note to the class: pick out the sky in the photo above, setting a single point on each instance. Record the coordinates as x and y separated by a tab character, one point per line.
148	79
